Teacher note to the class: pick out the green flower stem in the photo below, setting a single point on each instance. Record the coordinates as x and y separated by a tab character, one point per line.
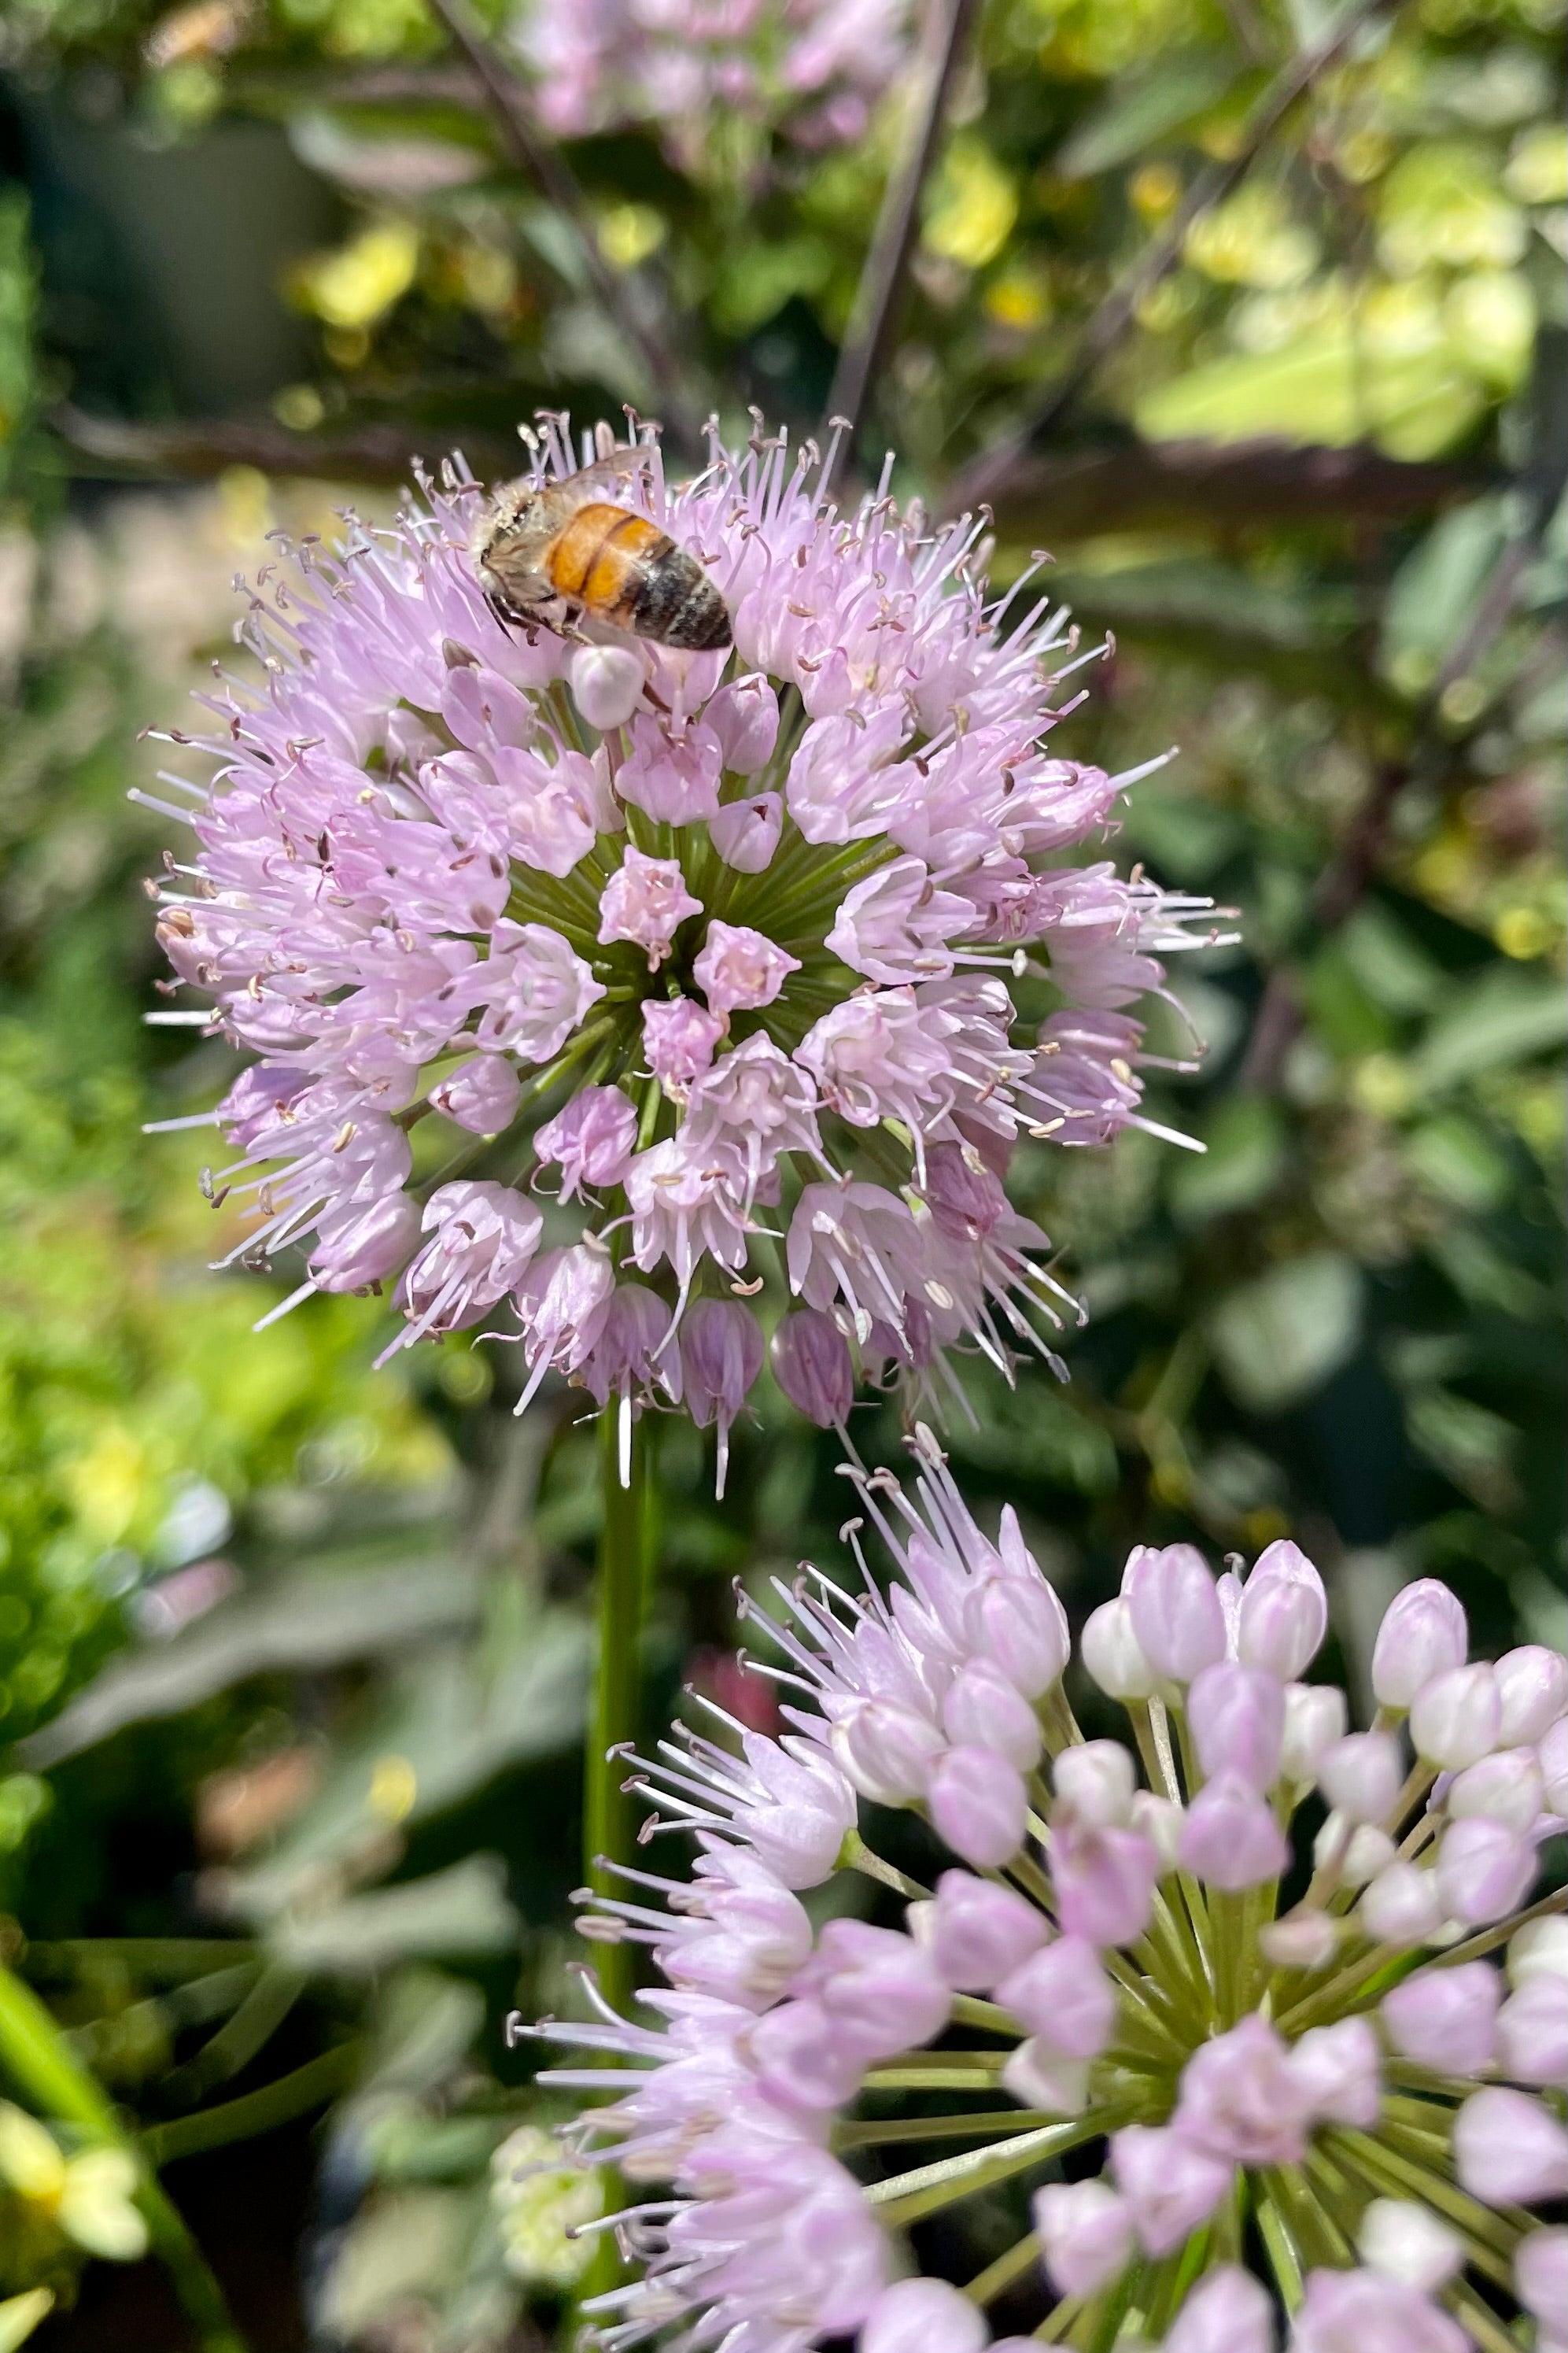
855	1855
277	2103
1484	2326
1393	2175
983	2124
989	2283
35	2054
607	1813
1283	2259
905	2198
1488	1940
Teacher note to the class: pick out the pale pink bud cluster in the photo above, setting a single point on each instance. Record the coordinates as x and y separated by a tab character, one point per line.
586	908
1204	2061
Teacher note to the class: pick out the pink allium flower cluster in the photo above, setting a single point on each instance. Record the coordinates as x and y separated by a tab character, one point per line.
814	68
698	967
1339	2112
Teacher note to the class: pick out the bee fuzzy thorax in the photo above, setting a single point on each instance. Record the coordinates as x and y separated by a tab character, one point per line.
561	552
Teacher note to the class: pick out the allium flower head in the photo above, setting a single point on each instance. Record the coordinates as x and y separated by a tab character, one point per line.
783	946
1289	2120
815	69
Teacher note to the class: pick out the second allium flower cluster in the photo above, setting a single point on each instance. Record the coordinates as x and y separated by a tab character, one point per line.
686	953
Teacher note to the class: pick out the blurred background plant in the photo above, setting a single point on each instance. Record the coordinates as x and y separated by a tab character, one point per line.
1254	316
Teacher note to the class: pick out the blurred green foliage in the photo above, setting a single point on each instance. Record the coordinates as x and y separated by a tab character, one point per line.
291	1654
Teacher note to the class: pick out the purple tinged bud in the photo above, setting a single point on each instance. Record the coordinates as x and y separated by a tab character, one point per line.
1171	2185
1551	1755
1505	1787
1338	2073
1284	1613
1240	2097
1227	2311
1508	2151
979	1805
1532	1690
720	1356
364	1242
812	1365
1406	2242
1158	1819
480	1094
1019	1622
1174	1610
1303	1939
1315	1718
1367	1854
593	1139
1084	2231
1064	1997
1424	1633
680	1039
1095	1783
607	684
1446	2019
1113	1655
1484	1872
804	2058
976	1932
877	1986
1105	1883
746	833
1230	1839
887	1751
744	716
983	1710
914	2315
1541	2273
1362	1776
1533	2033
1455	1718
1354	2311
1400	1907
1236	1715
1037	2076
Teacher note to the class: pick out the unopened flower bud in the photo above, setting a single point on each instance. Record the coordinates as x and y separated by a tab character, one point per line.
746	833
1338	2073
480	1094
1360	1775
1303	1939
1455	1718
1238	1718
1505	1787
744	716
979	1805
1020	1623
1368	1852
1424	1633
1085	2234
983	1710
1510	2150
1064	1998
1539	1949
1284	1613
1227	2311
914	2315
1174	1609
1158	1819
887	1751
976	1932
1040	2077
1532	1691
803	2058
364	1242
591	1140
1533	2033
1094	1782
1407	2241
1315	1718
1551	1755
1171	2185
1484	1872
1105	1883
879	1986
1446	2019
1400	1906
1230	1839
812	1365
1541	2273
1111	1653
607	684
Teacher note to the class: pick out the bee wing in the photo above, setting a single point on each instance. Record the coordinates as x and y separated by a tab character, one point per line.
617	470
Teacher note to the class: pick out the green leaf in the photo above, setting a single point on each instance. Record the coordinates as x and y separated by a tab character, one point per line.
1471	1446
1435	590
1322	390
1453	1158
1345	1017
1388	961
1278	1339
461	1911
1142	107
1245	1141
1506	1017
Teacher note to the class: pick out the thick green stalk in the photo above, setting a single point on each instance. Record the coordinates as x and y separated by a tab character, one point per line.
35	2055
609	1814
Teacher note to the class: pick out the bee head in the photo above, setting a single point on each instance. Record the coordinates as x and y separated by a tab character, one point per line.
508	510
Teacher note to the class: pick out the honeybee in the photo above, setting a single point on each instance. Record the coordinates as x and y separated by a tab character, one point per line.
557	552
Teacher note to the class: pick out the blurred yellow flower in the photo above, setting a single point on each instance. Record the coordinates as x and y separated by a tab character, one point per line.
359	282
394	1787
1441	204
1019	298
1252	241
1523	933
1537	171
106	1484
972	206
89	2197
1490	320
539	2200
629	233
20	2314
1154	190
